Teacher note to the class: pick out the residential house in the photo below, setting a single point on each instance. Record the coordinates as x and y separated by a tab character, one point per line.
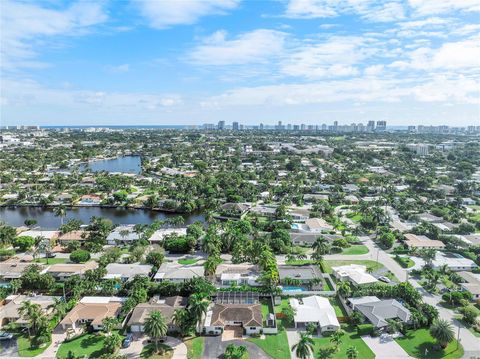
247	316
237	274
378	312
79	236
312	225
453	261
167	306
471	283
51	235
308	275
62	271
178	273
307	239
356	274
422	242
9	310
316	310
126	272
159	235
90	200
299	214
13	269
123	234
92	311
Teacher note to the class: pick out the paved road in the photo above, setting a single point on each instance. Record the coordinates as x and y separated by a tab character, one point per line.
214	348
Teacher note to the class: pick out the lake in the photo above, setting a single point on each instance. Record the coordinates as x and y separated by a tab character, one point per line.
125	164
47	220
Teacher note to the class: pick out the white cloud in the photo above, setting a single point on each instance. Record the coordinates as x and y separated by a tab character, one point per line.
166	13
335	57
430	7
251	47
119	68
22	24
310	9
374	70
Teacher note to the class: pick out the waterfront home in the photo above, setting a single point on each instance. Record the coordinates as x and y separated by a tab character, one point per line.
62	271
50	235
125	272
378	312
72	236
90	200
236	210
167	306
356	274
237	274
123	235
316	310
422	242
13	269
159	235
178	273
92	311
9	309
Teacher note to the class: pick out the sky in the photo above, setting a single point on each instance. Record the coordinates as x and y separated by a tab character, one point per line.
148	62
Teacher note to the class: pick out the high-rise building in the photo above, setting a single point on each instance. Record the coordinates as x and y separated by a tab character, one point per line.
381	126
235	126
371	126
261	126
221	125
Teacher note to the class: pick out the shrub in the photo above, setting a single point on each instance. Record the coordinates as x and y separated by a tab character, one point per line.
79	256
364	329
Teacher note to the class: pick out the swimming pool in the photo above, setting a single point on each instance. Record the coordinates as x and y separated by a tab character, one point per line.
288	288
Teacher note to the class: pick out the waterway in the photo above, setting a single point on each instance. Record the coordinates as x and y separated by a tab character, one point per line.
124	164
16	216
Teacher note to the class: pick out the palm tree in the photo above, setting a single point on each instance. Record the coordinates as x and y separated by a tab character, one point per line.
109	323
197	306
181	319
344	288
156	327
304	347
321	245
394	326
60	211
112	342
59	307
336	338
233	351
352	352
33	314
15	285
442	332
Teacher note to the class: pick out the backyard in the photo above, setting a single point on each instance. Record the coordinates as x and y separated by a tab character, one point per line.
89	345
351	338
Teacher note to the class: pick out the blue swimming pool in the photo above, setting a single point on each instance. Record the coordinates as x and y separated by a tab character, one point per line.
289	288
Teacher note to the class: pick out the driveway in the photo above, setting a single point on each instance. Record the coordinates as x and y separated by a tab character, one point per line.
385	349
8	348
139	341
58	336
215	347
293	336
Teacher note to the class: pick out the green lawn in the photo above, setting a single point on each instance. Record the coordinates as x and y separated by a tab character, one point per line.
24	349
274	345
149	350
187	261
416	342
329	264
90	345
405	262
52	260
351	338
356	217
339	311
195	347
355	250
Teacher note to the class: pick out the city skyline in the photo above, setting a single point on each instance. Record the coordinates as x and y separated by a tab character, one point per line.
299	61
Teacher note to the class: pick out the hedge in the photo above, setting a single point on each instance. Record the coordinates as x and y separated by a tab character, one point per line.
364	329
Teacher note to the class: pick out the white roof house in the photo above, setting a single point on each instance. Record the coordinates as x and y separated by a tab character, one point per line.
453	261
317	310
38	233
159	235
126	271
354	273
122	234
178	273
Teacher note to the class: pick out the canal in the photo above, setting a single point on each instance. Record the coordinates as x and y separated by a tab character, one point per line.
45	217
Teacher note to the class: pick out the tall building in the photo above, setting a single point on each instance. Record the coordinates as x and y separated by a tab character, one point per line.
235	126
221	125
381	126
261	126
371	126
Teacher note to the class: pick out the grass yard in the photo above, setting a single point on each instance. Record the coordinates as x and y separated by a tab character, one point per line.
149	349
339	311
355	250
404	262
187	261
24	349
274	345
195	347
416	342
89	345
351	338
372	264
356	217
52	260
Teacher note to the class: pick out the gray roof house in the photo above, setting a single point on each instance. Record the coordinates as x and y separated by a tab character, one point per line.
300	273
122	234
379	311
127	271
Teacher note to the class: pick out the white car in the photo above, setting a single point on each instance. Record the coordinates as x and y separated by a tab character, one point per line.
5	336
384	279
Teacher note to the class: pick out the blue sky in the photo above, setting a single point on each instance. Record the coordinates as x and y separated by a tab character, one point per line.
191	62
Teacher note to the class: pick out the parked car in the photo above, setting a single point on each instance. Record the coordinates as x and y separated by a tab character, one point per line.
5	336
127	341
384	279
50	255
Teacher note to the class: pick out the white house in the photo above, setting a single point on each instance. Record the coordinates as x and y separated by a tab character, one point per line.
316	310
354	273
